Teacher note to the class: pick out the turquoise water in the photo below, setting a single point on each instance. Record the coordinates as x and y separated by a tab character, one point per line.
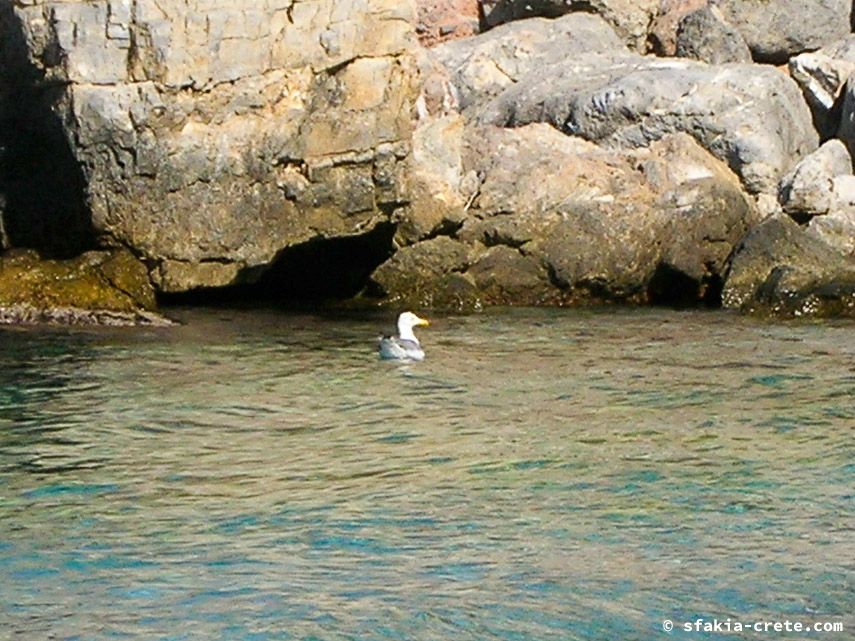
544	474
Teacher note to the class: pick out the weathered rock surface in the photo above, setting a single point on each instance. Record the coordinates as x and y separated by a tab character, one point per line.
837	228
426	274
776	30
484	66
556	220
630	18
808	189
781	269
110	288
705	35
822	75
441	20
213	135
750	116
436	180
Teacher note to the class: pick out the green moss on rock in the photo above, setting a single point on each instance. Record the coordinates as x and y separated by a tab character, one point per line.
99	287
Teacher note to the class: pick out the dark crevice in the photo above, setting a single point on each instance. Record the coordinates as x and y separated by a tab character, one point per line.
669	287
40	180
321	269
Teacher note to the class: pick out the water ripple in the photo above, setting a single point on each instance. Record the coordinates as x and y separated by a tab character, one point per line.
544	475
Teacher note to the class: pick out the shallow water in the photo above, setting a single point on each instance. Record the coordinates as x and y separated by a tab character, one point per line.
544	474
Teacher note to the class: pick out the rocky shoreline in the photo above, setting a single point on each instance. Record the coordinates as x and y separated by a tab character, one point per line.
522	153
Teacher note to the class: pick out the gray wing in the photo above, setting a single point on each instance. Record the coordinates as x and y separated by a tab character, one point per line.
399	349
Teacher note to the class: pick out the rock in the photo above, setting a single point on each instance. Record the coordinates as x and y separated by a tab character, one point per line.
843	188
421	274
441	20
752	117
821	75
629	18
110	288
504	275
704	35
807	190
706	211
558	220
483	66
837	229
662	35
781	269
214	135
682	221
776	30
435	180
438	95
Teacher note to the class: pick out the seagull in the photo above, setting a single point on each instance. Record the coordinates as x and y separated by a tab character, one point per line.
406	346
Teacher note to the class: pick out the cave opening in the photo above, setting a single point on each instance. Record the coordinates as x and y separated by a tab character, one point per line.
316	272
43	201
670	287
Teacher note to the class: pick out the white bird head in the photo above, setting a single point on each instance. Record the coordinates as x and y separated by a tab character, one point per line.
406	322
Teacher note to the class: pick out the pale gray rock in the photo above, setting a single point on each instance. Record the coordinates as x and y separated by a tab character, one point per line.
822	75
487	64
837	229
808	189
752	117
704	35
776	30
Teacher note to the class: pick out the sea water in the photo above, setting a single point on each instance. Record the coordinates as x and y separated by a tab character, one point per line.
543	475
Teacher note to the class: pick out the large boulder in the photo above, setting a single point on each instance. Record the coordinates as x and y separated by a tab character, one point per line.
781	269
109	288
630	18
750	116
557	219
214	135
822	75
486	65
776	30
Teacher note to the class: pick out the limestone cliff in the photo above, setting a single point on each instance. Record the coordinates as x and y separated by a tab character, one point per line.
214	134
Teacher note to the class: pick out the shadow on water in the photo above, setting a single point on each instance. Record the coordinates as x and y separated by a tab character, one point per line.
40	180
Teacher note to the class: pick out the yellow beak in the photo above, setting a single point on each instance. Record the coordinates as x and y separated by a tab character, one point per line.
424	322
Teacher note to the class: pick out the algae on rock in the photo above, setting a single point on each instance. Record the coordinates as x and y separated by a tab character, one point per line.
110	287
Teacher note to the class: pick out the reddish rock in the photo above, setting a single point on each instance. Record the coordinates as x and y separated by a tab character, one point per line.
441	20
663	31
